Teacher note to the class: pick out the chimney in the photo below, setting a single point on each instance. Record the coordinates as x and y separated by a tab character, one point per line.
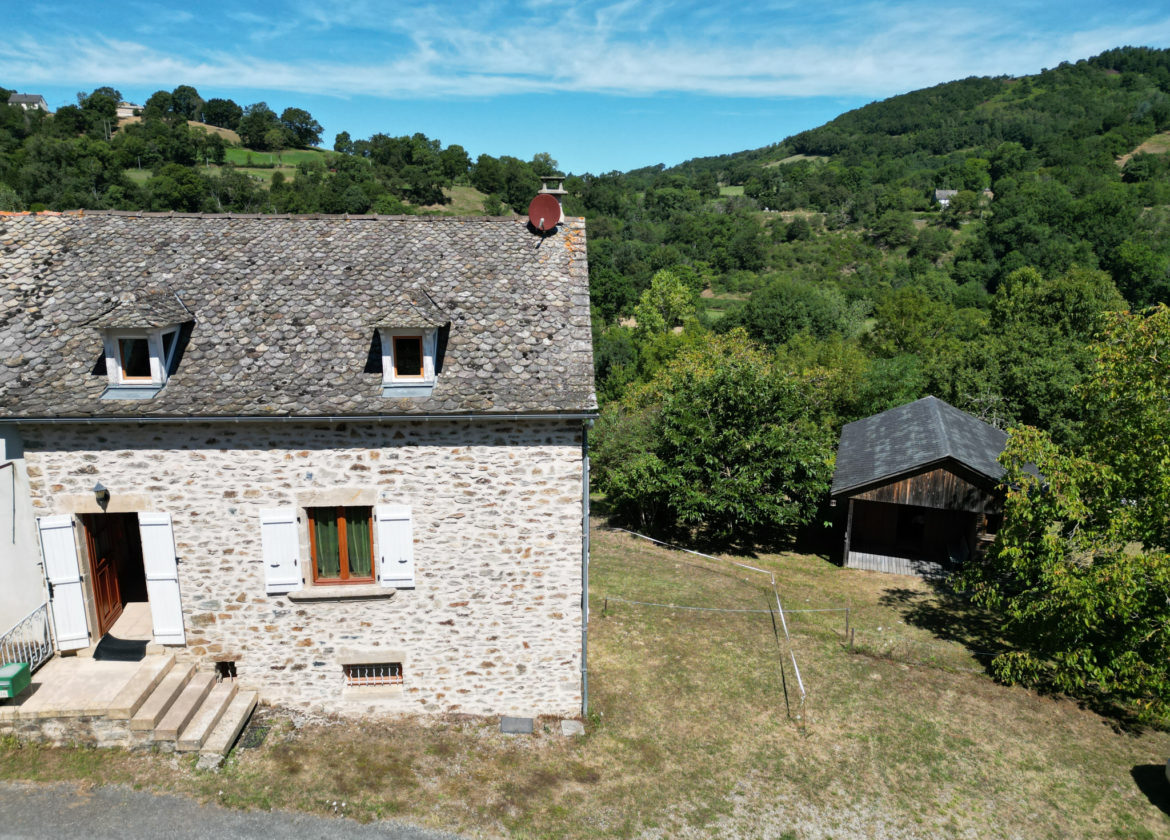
554	185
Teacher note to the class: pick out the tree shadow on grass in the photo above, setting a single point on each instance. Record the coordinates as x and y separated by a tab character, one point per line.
1151	780
947	613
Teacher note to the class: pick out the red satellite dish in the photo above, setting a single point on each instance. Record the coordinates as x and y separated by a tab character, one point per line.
544	213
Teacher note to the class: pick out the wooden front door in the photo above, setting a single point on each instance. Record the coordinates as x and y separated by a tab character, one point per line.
111	538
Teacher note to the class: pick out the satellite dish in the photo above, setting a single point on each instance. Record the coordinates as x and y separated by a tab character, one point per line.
544	213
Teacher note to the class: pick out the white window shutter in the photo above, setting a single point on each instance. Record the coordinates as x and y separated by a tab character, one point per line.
395	537
64	577
162	577
282	562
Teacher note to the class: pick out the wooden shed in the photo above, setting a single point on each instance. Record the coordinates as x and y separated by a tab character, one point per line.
919	488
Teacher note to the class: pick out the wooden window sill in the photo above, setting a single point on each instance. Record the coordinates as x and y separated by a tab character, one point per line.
340	592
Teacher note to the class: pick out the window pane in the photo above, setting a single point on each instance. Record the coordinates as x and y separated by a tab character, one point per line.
168	341
135	357
408	360
357	538
326	551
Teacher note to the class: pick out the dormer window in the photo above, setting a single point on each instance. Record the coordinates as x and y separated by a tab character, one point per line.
140	336
140	357
408	359
412	331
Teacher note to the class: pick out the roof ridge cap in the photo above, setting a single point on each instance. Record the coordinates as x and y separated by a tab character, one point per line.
940	425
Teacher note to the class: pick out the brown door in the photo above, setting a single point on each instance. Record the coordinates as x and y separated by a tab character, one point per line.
106	539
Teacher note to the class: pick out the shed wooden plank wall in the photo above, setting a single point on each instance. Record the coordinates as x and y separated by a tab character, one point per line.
938	488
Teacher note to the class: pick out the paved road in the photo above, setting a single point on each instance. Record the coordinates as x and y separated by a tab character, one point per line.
49	812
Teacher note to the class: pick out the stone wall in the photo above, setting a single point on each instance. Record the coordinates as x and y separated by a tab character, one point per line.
494	623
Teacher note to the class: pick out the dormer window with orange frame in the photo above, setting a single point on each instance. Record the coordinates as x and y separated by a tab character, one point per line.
408	358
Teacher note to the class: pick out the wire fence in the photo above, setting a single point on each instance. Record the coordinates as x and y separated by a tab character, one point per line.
782	648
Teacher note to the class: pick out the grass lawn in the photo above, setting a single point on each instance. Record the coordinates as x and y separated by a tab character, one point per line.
732	190
1159	144
288	158
901	737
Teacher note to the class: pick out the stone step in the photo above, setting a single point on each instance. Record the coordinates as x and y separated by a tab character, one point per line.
207	717
160	700
184	707
146	679
230	725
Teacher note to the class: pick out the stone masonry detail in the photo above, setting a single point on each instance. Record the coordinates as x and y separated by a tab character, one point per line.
494	623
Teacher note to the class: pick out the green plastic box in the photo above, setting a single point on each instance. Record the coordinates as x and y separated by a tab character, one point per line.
14	678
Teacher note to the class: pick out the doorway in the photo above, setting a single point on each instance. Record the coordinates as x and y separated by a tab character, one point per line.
116	570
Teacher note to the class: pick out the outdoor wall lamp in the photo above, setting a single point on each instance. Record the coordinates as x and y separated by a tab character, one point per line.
101	494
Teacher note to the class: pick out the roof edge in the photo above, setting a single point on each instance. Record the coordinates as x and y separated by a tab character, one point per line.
303	418
144	214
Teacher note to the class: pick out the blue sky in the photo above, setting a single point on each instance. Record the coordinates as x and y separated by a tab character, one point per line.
598	85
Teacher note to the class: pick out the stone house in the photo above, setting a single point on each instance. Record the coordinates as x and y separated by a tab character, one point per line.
29	102
342	459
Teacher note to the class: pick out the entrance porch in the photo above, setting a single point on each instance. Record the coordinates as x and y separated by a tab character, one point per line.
153	703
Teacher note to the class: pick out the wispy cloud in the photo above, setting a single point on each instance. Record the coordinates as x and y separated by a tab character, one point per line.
624	47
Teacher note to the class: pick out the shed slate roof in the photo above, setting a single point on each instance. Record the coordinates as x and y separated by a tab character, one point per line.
911	436
284	311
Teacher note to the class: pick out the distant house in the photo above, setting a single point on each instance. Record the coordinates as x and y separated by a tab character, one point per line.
943	197
29	102
127	109
919	484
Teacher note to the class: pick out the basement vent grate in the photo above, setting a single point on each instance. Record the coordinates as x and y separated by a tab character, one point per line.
382	673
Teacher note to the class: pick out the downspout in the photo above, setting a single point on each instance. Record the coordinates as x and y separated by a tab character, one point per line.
585	567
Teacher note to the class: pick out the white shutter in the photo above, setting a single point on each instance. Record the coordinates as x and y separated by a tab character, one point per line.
61	571
395	546
162	577
282	562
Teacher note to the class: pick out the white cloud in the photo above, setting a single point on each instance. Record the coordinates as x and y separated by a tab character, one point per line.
624	47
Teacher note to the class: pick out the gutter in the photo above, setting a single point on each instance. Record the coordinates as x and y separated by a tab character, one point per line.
295	418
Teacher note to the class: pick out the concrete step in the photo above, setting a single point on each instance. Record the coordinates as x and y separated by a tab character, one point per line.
184	707
208	715
160	700
230	725
146	679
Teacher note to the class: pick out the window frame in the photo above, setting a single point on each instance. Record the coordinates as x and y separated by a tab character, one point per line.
161	357
428	341
344	577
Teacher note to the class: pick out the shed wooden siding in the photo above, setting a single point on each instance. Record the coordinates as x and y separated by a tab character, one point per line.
938	488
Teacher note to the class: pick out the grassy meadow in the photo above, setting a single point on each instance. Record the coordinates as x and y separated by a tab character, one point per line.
689	734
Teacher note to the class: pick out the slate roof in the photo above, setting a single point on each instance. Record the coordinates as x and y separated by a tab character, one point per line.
284	310
911	436
148	308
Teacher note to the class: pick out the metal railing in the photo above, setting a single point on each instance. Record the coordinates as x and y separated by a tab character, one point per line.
30	640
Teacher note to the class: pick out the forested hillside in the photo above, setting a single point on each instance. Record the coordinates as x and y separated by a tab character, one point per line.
816	279
181	152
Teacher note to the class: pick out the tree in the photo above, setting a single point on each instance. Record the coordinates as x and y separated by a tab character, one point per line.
222	113
305	130
343	143
186	103
255	125
666	304
720	443
1080	571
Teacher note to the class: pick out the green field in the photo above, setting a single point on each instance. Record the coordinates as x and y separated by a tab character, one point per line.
288	158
